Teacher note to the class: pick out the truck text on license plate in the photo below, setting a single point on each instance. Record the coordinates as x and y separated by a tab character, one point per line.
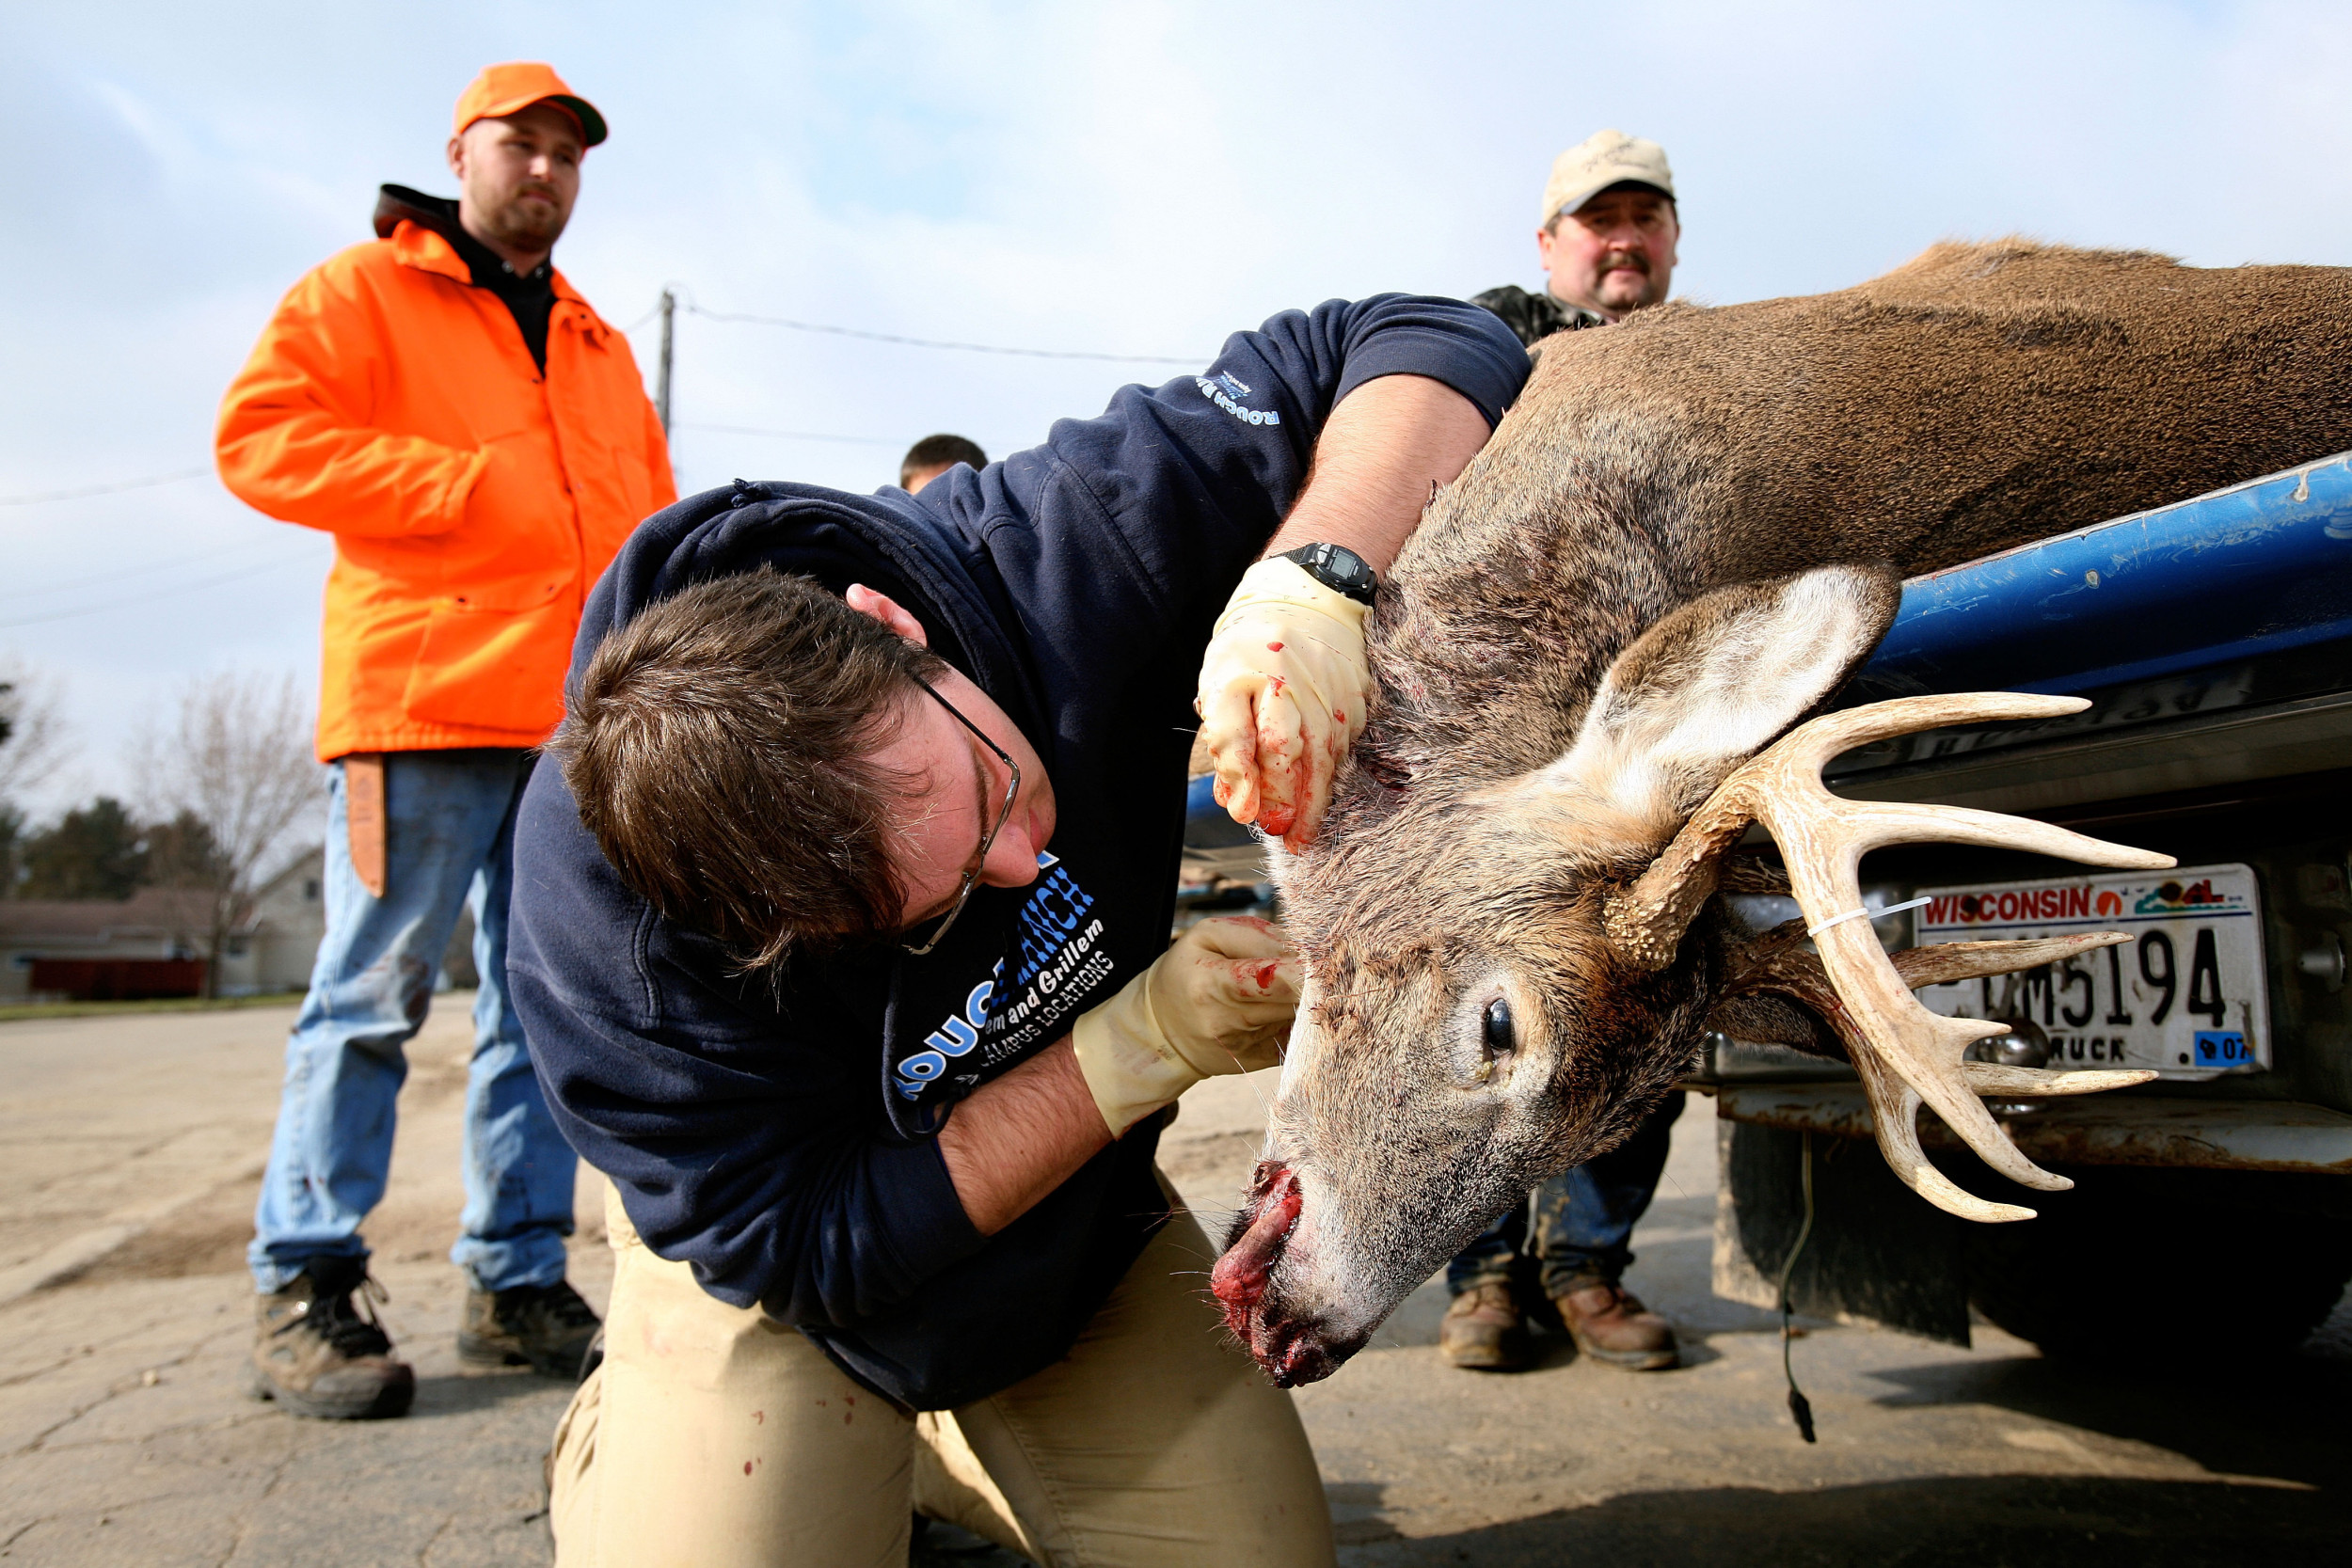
2187	996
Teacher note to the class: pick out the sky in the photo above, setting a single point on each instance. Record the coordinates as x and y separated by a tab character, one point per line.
1138	178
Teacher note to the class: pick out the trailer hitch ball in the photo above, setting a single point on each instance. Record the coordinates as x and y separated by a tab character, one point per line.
2324	961
2022	1044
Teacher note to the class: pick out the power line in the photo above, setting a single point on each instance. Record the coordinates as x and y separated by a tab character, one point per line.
731	316
936	343
787	434
150	482
175	589
51	590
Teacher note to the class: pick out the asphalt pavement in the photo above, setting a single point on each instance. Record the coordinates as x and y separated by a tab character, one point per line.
131	1147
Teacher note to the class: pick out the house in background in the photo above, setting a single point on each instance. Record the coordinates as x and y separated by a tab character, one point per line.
151	943
273	949
96	947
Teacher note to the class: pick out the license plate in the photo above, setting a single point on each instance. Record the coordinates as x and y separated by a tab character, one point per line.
2186	996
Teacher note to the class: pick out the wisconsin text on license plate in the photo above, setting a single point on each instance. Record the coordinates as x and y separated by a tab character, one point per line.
2186	996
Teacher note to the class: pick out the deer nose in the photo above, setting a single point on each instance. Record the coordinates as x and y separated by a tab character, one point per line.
1240	1275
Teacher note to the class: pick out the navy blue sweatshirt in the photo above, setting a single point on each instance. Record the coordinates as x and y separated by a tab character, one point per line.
777	1131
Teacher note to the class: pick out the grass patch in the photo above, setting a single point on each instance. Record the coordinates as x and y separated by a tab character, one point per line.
26	1010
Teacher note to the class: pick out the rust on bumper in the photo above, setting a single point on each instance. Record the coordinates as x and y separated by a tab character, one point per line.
2213	1134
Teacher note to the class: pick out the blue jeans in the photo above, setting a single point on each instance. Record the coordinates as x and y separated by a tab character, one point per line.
1582	1218
450	835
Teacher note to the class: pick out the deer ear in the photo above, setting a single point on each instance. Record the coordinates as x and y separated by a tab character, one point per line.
1713	683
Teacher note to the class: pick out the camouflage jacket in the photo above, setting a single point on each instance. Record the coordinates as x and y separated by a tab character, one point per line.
1536	317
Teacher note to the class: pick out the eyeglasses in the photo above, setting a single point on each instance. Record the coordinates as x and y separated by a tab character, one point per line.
972	872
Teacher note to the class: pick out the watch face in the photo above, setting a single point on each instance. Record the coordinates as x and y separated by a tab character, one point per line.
1338	568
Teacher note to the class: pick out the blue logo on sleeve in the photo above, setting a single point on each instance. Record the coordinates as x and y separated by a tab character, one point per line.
1227	391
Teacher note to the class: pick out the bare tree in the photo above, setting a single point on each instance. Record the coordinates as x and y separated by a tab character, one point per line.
33	747
32	730
227	777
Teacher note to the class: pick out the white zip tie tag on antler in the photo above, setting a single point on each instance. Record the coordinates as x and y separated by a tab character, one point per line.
1816	929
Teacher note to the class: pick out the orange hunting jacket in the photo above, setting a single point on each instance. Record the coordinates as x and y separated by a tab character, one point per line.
473	501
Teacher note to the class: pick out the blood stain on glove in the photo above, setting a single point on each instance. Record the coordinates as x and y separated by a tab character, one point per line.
1274	647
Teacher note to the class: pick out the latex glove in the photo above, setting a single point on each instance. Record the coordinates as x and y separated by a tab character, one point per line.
1218	1001
1284	691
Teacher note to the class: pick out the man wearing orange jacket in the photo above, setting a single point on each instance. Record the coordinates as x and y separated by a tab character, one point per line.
479	442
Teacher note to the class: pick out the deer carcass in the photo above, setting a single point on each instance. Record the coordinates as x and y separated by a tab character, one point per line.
1680	543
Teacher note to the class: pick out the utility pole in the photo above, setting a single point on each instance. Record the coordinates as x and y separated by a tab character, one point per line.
662	382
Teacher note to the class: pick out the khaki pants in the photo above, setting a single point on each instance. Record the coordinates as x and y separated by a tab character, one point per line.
715	1437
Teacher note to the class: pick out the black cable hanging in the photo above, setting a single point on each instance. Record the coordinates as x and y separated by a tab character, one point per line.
83	491
1799	1409
937	342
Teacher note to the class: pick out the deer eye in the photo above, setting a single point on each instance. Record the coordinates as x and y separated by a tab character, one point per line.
1496	1029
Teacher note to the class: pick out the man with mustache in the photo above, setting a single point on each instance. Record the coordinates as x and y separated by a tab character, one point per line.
1608	229
479	442
1607	237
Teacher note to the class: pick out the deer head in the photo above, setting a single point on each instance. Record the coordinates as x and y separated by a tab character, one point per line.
1503	977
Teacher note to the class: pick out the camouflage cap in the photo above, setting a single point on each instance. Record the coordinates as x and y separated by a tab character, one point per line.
1600	161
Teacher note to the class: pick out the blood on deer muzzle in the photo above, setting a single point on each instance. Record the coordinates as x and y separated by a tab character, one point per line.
1290	1353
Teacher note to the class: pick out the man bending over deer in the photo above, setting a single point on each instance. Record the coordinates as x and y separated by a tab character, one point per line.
845	958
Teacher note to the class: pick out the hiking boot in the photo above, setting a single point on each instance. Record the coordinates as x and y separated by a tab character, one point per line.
544	1327
1482	1331
1610	1325
319	1353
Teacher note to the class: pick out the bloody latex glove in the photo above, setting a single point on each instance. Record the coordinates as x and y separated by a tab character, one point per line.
1284	691
1218	1001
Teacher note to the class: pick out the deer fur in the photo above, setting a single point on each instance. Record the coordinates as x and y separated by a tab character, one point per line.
1683	538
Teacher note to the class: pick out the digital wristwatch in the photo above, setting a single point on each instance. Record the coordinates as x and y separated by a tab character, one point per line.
1338	568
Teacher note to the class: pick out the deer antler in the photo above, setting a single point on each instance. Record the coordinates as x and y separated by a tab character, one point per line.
1905	1053
1773	965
